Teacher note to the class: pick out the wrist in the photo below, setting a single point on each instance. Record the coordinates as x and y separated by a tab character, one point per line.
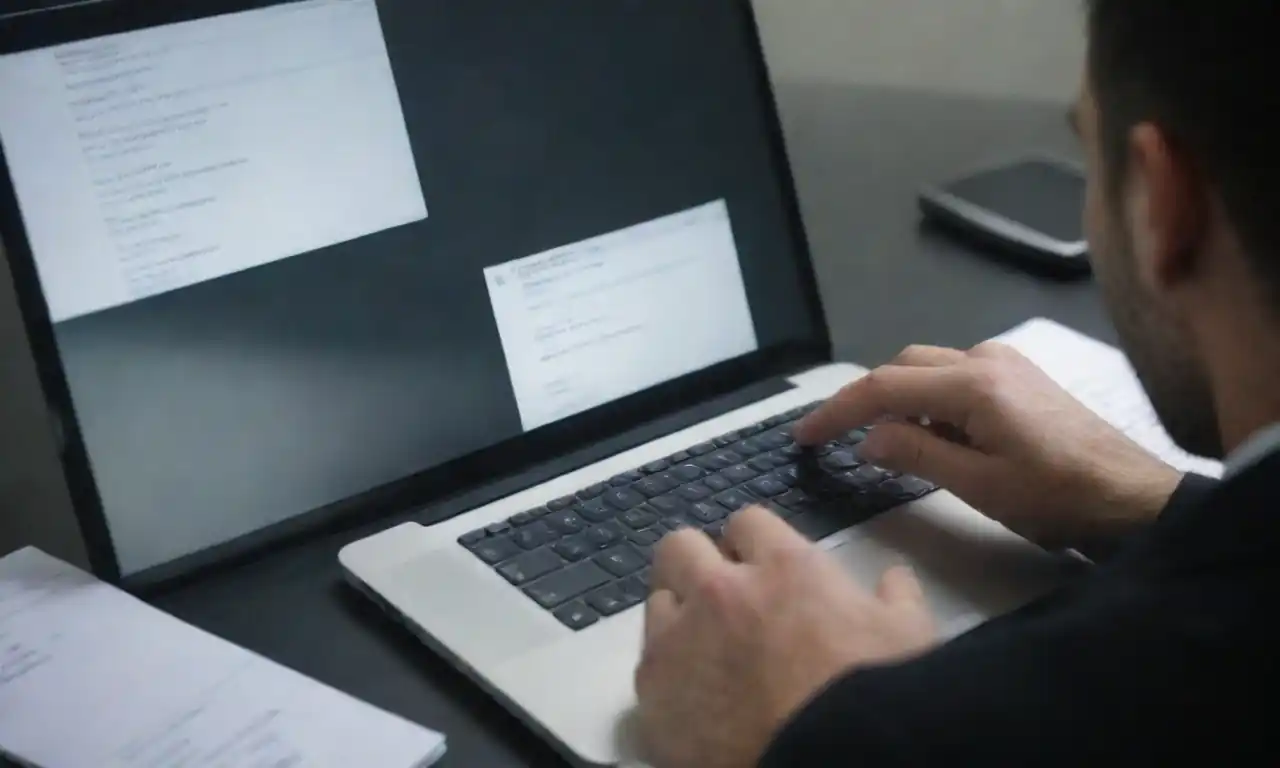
1127	499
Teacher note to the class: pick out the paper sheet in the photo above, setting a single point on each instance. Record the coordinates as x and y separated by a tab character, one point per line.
1101	377
91	677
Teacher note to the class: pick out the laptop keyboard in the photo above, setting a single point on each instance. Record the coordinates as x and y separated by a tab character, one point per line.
587	556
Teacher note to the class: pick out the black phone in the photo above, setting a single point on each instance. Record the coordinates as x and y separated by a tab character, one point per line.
1030	210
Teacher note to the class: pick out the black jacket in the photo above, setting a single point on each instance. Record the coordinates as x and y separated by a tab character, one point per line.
1168	651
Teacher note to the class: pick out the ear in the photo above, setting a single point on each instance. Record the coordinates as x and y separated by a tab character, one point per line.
1166	206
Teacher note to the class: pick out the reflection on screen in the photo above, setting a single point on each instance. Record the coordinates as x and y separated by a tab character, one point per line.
255	314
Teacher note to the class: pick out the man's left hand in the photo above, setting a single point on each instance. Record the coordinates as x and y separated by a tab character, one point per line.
739	637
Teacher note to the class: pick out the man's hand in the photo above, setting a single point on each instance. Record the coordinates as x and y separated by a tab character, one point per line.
1003	436
738	638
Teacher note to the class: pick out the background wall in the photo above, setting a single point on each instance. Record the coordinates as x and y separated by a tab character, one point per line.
995	49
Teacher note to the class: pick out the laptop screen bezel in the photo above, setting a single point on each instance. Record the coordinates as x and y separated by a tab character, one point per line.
83	21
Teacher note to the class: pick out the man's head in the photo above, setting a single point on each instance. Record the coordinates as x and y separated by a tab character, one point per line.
1182	131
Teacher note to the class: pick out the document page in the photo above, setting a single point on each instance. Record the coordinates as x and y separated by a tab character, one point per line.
1101	377
92	678
598	320
152	160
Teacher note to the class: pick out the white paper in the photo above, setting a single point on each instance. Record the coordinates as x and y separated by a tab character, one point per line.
91	677
1101	377
156	159
601	319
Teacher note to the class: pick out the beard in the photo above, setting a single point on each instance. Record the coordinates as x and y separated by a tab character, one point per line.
1158	348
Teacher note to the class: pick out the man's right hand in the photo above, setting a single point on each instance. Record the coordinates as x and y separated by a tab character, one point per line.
1004	437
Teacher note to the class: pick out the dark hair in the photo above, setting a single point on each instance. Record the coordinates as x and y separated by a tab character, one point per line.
1203	70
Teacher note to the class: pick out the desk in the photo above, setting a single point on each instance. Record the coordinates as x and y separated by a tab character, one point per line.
859	154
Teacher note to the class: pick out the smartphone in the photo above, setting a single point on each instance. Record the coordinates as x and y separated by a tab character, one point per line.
1030	209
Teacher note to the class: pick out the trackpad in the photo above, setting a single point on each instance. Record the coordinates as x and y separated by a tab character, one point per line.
968	576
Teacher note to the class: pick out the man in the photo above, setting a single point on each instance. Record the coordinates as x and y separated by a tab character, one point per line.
761	650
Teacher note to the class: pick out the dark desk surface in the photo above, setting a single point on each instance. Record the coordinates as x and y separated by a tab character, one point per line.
859	155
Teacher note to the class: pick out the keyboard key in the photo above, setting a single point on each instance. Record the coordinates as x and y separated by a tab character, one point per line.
530	566
610	600
566	584
677	522
717	484
655	467
595	511
753	430
645	538
626	478
789	475
762	464
695	491
576	615
605	536
566	522
497	529
656	485
623	499
727	439
495	549
592	491
793	450
794	500
840	461
720	460
739	474
573	548
678	458
472	538
560	505
716	529
830	447
534	535
735	500
702	449
777	438
620	561
640	518
687	473
768	486
707	513
907	487
634	589
643	578
748	448
519	519
666	506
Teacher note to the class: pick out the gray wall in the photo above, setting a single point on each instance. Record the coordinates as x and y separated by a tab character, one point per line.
1021	49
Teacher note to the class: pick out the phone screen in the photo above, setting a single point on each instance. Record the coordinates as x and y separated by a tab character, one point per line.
1040	195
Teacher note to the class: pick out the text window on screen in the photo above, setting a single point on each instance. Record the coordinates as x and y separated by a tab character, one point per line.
153	160
598	320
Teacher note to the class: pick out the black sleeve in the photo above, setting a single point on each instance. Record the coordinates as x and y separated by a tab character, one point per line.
1131	668
1188	496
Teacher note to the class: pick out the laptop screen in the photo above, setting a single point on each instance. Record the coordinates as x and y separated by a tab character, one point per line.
293	252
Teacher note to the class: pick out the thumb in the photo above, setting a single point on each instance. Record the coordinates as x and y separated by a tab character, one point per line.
900	587
915	450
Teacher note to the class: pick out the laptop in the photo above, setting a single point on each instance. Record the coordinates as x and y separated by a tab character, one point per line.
523	280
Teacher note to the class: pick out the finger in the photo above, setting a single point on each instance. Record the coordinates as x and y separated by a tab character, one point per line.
920	451
899	586
756	532
660	612
924	356
891	391
995	350
682	560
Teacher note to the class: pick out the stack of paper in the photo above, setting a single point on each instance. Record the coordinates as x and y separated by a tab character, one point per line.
91	677
1101	377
